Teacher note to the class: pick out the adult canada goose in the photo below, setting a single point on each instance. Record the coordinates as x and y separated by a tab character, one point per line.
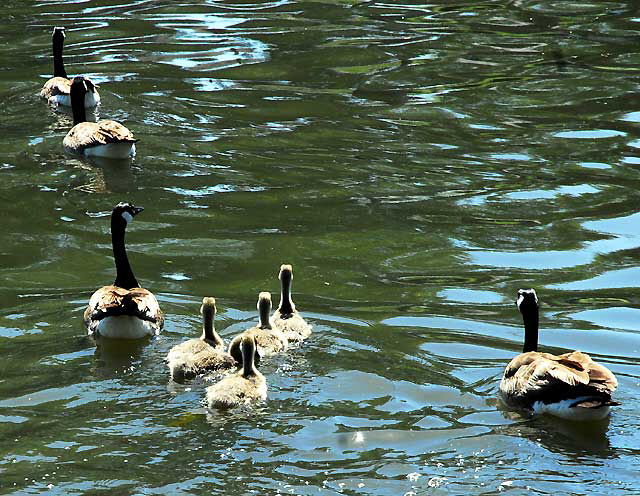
105	138
245	387
268	339
286	317
200	355
571	385
57	90
123	310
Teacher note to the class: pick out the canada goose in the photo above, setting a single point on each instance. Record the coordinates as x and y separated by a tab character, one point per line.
570	386
245	387
105	138
57	90
123	310
206	353
286	317
268	339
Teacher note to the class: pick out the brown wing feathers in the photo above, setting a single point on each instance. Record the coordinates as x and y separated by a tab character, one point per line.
533	377
114	301
56	86
88	134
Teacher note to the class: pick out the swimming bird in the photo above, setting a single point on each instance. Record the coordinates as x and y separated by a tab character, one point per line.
123	310
571	386
57	90
268	339
286	317
105	138
245	387
200	355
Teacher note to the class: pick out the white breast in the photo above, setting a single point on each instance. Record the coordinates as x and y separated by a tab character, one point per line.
125	327
90	100
112	150
563	409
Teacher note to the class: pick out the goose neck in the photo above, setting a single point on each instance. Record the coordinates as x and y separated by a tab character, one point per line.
58	63
124	274
531	322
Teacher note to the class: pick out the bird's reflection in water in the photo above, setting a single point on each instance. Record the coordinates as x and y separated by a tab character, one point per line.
560	435
105	175
65	114
118	356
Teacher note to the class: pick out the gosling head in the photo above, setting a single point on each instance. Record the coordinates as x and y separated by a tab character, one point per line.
208	308
286	272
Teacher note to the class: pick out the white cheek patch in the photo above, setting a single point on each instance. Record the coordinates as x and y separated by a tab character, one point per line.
519	300
127	217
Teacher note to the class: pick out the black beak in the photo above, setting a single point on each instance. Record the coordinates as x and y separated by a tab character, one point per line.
137	210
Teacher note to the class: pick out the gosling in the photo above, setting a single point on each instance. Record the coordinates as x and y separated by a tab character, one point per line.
245	387
268	339
200	355
286	317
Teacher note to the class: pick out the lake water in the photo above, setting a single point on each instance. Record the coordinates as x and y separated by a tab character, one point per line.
417	163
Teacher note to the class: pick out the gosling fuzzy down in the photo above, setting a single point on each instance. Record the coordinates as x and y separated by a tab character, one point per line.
245	387
269	340
286	318
200	355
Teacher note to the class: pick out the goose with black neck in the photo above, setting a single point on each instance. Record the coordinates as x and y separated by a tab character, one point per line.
105	138
123	310
571	386
57	90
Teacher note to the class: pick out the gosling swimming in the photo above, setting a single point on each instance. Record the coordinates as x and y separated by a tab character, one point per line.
269	340
245	387
200	355
286	317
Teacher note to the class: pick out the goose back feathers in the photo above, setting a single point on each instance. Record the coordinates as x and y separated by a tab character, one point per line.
570	385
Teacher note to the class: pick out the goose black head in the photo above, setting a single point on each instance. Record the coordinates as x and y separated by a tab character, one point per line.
124	211
527	300
79	86
58	33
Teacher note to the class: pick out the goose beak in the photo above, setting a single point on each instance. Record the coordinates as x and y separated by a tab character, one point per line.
137	210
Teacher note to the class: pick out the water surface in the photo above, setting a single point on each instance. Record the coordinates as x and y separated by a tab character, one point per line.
416	163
